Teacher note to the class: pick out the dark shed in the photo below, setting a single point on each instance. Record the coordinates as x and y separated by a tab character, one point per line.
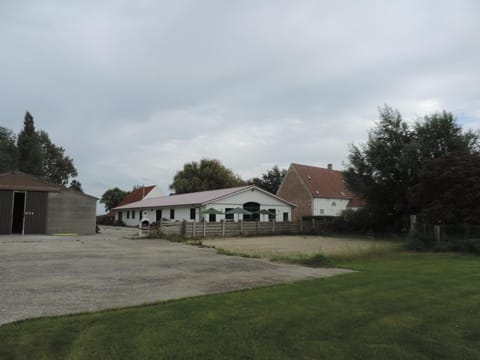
31	205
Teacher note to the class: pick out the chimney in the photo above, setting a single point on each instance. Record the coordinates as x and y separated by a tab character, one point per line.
329	166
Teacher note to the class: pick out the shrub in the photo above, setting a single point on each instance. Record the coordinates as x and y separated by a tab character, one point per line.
118	223
353	221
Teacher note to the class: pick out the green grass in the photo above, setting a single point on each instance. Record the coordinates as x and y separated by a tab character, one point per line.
399	306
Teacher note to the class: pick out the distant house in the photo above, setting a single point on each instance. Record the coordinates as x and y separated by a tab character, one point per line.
135	195
317	191
31	205
190	206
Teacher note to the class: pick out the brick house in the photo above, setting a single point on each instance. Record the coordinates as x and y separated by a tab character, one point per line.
317	191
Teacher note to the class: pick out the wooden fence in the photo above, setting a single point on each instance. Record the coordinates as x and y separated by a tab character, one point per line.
204	229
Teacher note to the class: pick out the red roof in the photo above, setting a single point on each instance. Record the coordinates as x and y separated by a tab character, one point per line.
326	183
133	196
136	195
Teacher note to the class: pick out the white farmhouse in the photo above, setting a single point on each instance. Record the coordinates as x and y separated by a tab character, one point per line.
191	206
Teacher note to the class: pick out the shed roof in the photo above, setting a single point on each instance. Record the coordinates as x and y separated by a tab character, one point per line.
195	198
17	180
326	183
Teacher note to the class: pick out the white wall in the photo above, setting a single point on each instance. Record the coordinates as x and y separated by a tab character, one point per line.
183	213
330	207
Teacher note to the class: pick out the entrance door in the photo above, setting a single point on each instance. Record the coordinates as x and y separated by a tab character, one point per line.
18	212
254	208
36	212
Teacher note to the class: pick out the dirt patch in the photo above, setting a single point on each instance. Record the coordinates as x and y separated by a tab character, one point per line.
271	246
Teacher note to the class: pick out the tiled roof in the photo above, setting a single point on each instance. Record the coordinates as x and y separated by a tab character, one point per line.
136	195
133	196
326	183
17	180
196	198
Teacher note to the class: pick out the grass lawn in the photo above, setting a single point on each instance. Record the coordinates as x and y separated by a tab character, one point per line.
419	306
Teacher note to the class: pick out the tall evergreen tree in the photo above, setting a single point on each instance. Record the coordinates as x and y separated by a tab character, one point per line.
30	158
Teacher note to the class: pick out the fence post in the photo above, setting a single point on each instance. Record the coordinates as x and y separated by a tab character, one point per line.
301	226
223	228
204	228
241	227
194	230
256	227
313	225
437	233
413	222
183	229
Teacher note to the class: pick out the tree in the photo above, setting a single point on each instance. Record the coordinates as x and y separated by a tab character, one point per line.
439	134
29	148
76	185
57	167
206	175
382	170
112	197
388	166
8	150
449	189
270	180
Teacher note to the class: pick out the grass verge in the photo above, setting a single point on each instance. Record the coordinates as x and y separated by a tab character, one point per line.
400	306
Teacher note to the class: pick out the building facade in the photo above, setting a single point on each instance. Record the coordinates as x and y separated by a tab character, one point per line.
30	205
262	205
317	191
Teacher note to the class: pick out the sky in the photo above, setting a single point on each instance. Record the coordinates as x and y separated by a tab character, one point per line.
133	90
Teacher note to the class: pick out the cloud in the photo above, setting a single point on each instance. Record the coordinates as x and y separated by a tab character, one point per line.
133	90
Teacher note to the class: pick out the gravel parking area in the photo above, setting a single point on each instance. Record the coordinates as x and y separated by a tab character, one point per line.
45	275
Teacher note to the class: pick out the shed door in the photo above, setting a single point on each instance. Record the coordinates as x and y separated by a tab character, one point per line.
6	198
36	212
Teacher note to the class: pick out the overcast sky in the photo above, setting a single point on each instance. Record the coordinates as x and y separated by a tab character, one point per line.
135	89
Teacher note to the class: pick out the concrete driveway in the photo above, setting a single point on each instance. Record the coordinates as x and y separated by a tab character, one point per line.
43	275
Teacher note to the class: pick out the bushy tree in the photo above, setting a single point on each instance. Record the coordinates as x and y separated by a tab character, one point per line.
209	174
8	150
57	167
76	185
383	169
388	166
448	191
270	180
112	197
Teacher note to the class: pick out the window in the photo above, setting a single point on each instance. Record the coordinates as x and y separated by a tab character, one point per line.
228	216
158	215
128	214
285	216
271	214
334	203
172	214
192	214
322	211
133	214
212	217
